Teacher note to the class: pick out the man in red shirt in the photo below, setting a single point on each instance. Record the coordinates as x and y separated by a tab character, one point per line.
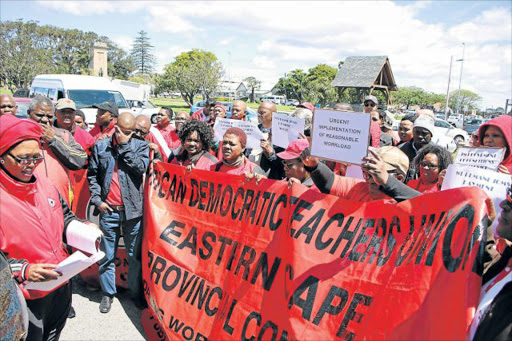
106	118
204	113
165	129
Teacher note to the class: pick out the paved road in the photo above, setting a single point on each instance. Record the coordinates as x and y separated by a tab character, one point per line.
121	323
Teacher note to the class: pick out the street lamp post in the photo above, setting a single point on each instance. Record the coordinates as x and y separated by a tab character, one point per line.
460	78
448	90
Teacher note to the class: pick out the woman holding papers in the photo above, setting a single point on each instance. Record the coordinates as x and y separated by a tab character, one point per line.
196	140
498	133
430	166
233	159
33	217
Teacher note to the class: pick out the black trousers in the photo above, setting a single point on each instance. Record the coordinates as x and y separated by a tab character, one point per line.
47	316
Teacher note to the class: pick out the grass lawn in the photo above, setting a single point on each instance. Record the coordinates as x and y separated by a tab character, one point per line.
177	104
5	91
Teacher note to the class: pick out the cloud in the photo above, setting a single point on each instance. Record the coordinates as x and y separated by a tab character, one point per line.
124	42
285	36
166	56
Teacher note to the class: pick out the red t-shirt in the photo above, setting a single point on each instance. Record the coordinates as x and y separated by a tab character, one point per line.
423	188
114	196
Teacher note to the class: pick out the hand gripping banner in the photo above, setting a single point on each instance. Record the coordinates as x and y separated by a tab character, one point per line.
228	259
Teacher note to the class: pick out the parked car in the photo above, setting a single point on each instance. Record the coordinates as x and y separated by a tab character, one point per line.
459	136
21	92
457	120
200	104
473	125
291	102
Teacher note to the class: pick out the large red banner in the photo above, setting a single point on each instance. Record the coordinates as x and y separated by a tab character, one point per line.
224	258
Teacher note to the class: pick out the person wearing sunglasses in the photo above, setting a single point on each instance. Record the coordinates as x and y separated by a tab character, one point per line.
294	169
34	217
7	105
370	103
384	172
493	318
142	132
429	167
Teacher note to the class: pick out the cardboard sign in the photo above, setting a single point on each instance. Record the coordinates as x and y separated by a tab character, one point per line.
285	129
340	136
484	158
227	259
493	183
254	135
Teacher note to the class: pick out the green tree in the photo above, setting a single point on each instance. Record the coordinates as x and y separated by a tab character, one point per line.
191	73
253	85
141	54
28	49
468	100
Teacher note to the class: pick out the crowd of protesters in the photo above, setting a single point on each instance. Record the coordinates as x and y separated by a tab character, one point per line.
51	166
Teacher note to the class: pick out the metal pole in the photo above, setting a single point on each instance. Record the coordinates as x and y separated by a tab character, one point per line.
460	78
448	90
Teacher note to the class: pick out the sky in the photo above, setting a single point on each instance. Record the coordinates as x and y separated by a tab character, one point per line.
266	39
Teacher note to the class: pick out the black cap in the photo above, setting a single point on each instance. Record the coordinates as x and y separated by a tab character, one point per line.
108	106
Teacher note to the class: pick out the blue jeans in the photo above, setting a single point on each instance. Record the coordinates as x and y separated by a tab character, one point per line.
111	225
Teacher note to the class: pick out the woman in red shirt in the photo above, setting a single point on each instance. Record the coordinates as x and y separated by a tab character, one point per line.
430	163
233	158
196	140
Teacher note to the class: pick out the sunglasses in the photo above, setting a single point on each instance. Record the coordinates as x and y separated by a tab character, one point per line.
369	104
425	164
288	165
7	106
368	176
141	132
27	160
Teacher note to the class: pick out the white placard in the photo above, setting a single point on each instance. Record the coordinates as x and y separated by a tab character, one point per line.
254	135
340	136
354	171
493	183
83	237
285	129
481	157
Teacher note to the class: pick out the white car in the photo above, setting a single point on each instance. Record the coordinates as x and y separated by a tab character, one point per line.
443	128
456	120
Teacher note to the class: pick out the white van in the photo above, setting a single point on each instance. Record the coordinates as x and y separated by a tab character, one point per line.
85	91
273	98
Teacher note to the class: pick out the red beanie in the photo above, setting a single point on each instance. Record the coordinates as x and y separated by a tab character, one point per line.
14	130
242	136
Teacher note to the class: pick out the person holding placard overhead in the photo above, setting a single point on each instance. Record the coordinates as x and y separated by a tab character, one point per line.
430	167
498	133
34	217
384	172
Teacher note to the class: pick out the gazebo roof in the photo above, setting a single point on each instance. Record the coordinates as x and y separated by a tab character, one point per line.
365	72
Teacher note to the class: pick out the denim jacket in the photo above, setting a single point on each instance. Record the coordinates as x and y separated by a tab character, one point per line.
132	162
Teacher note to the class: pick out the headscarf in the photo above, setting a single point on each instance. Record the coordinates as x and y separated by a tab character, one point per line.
504	123
14	130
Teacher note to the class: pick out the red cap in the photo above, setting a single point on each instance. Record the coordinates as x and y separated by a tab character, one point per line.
14	130
307	105
294	149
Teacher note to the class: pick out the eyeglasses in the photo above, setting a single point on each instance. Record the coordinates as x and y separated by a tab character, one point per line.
141	132
180	119
288	165
7	106
369	104
425	164
375	119
25	161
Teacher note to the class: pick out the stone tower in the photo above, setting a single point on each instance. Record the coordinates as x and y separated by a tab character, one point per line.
99	63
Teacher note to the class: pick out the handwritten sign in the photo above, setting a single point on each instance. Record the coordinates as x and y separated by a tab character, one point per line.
285	129
493	183
254	135
484	158
340	136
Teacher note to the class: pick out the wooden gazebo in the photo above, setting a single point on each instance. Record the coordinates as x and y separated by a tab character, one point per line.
366	74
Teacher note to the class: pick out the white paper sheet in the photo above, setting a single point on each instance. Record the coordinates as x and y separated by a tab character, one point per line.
82	237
